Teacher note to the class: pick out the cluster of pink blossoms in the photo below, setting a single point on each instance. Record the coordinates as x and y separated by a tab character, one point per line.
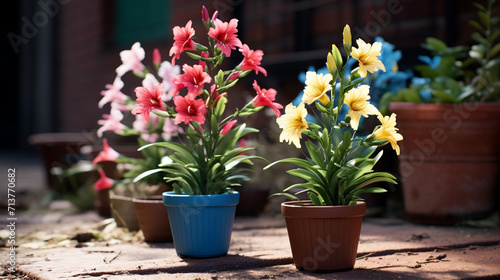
192	107
155	119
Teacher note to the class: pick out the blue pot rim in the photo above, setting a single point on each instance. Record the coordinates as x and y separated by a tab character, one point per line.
184	200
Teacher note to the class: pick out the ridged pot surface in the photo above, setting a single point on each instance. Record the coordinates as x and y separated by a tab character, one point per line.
201	224
323	238
450	160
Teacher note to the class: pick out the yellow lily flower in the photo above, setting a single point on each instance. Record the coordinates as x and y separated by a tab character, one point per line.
293	122
357	100
367	55
317	85
388	131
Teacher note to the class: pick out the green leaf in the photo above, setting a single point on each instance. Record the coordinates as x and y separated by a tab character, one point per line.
315	153
221	106
435	44
288	195
410	95
476	25
314	198
149	172
444	97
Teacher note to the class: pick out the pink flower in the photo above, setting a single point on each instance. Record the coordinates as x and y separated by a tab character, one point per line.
228	127
131	60
104	182
188	109
113	93
168	73
252	60
225	34
111	122
170	129
194	78
148	100
156	57
149	130
150	82
182	41
265	98
107	153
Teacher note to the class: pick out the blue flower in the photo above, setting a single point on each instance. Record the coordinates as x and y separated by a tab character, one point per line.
432	62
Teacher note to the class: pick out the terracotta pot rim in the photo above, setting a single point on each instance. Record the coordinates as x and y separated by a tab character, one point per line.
148	199
288	209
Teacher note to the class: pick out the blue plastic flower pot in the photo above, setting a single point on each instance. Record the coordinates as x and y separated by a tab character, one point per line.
201	224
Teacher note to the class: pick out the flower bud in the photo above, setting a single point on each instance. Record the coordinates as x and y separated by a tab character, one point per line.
156	57
234	76
347	35
204	14
215	15
330	63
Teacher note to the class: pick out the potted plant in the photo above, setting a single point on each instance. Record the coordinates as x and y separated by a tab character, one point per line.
450	160
137	204
205	165
324	231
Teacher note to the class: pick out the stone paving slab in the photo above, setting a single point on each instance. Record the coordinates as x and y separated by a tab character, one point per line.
388	249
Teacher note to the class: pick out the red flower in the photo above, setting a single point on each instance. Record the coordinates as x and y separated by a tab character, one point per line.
104	182
194	78
189	109
182	40
148	100
265	98
228	127
225	34
252	60
107	153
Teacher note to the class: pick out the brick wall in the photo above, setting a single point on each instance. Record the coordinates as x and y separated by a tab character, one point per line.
292	34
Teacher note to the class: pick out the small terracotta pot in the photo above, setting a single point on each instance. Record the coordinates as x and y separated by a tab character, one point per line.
323	238
122	210
102	203
153	218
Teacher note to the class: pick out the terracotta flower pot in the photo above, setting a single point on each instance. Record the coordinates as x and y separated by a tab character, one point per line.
122	210
153	218
450	160
102	203
323	238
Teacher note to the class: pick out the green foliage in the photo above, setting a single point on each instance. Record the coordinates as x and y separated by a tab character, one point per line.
464	74
339	165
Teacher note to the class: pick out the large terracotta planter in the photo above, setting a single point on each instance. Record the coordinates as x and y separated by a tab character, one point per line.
323	238
201	224
153	218
450	160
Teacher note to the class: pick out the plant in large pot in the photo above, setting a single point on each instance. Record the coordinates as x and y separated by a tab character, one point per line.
450	160
136	204
324	231
207	163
